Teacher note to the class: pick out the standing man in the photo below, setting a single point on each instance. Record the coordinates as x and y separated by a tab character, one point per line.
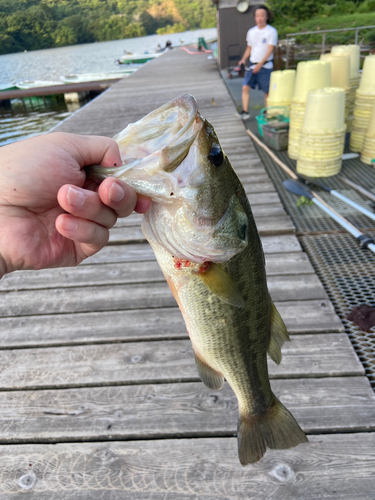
261	41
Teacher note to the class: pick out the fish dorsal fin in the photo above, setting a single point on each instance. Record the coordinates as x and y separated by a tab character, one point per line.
210	378
221	284
279	335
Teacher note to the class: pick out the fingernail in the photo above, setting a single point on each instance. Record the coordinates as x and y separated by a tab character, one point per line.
116	193
68	224
76	197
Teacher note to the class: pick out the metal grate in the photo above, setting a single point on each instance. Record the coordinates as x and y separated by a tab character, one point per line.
348	276
346	271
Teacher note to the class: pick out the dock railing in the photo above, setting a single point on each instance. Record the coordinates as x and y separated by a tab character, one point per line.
290	38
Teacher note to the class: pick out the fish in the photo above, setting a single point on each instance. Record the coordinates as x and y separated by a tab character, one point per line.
202	231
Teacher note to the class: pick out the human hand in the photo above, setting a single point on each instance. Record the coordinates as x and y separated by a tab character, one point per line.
50	214
257	68
241	62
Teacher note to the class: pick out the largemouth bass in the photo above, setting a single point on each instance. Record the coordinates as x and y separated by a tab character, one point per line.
203	233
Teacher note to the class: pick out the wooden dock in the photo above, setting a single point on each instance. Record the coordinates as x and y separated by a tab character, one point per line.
64	88
99	394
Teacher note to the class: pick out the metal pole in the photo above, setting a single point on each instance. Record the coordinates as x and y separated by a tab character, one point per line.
356	36
324	43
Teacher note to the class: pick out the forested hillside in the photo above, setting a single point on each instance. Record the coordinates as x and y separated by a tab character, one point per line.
39	24
310	15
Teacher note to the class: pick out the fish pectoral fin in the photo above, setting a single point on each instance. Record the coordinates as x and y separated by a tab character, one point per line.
279	335
221	284
208	375
276	428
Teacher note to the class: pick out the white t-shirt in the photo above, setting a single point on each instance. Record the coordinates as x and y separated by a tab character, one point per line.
259	40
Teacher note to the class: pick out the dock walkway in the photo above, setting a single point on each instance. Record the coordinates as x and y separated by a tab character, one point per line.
99	393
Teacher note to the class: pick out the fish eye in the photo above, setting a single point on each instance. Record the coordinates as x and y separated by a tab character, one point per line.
216	156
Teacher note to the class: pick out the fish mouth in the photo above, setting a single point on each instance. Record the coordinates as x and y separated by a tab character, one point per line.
162	139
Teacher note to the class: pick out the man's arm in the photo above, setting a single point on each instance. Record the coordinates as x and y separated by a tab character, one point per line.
260	64
246	55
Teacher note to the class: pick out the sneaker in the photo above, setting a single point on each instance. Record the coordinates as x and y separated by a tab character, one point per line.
244	115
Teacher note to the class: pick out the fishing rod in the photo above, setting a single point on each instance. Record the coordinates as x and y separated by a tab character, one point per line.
338	195
299	189
365	241
357	187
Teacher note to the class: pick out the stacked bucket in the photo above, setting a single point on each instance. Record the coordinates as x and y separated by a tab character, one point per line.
323	133
353	51
310	75
364	102
368	149
340	76
281	88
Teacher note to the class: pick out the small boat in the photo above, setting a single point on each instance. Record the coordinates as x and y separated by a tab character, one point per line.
32	84
94	77
138	58
7	86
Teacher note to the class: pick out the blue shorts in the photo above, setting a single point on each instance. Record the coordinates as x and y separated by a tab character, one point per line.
260	79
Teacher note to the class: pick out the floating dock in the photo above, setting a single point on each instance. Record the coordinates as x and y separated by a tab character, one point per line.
99	393
64	88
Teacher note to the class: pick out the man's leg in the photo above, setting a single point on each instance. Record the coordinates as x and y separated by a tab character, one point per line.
245	98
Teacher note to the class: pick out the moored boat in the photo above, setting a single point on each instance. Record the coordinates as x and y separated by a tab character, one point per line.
32	84
93	77
138	58
7	86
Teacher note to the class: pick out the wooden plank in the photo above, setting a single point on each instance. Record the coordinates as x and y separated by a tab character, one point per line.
189	469
258	187
136	295
262	198
123	272
156	362
336	404
310	316
281	224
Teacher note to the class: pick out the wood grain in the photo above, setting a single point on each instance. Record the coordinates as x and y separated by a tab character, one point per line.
161	362
336	404
189	469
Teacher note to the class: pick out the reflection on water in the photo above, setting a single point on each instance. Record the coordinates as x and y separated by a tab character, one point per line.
34	116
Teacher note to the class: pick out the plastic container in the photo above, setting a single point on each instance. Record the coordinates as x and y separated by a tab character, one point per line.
340	69
276	135
311	168
364	104
367	84
310	75
353	51
325	111
279	113
368	148
281	87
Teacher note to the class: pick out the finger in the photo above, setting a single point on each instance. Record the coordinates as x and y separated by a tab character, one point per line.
85	204
90	236
89	149
118	195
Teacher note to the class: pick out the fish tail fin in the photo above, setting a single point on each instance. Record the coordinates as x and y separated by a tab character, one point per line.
276	428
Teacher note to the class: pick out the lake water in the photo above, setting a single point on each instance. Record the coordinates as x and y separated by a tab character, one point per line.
32	116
